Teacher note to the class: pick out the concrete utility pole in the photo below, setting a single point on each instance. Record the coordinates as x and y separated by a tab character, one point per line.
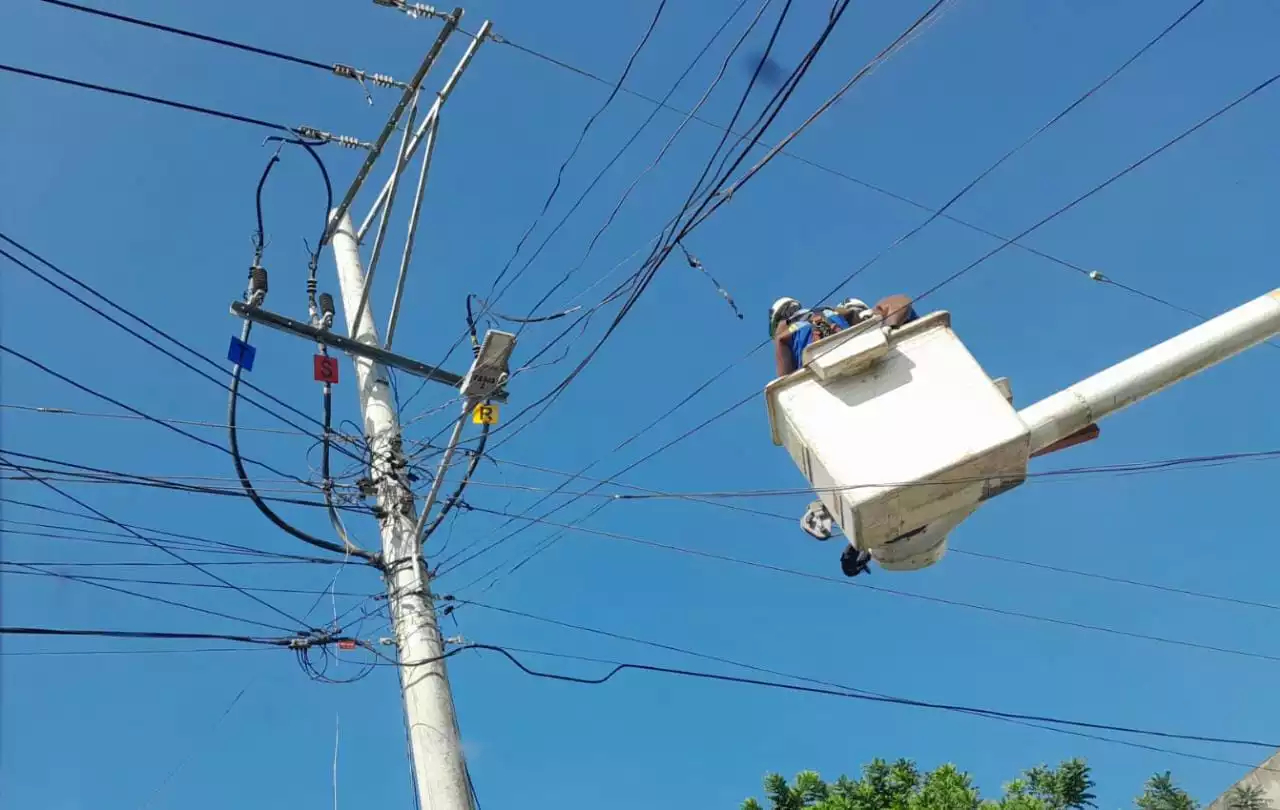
440	771
439	767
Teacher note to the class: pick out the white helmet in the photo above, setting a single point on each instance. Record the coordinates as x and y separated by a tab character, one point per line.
857	307
782	309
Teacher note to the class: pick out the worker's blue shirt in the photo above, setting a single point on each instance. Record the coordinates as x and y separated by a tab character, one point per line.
802	336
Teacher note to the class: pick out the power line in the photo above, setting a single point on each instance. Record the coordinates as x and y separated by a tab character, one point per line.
620	667
718	192
778	569
823	167
491	299
146	596
586	128
105	398
635	136
88	536
146	323
57	411
194	35
62	632
776	673
1096	189
202	568
1024	144
192	538
164	102
190	651
34	571
1129	468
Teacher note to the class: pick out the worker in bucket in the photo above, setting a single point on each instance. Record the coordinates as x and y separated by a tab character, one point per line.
793	328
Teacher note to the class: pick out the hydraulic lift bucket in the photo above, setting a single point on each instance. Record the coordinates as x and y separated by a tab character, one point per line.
900	433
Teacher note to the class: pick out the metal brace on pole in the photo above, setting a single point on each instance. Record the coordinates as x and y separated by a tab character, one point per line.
451	25
427	122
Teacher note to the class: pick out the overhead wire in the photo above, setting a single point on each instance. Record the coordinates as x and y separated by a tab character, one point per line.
1023	144
101	475
1062	210
150	99
168	29
263	507
721	195
491	299
201	567
779	569
82	535
623	149
156	330
825	168
123	406
192	538
34	571
50	410
777	673
841	692
144	596
555	188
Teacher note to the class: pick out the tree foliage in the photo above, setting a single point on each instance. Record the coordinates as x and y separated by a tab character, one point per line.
1162	794
1247	797
902	786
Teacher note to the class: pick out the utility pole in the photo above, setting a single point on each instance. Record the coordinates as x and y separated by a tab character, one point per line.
439	768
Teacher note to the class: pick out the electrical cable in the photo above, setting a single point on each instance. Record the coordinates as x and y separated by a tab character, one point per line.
137	634
893	591
89	535
933	217
178	105
456	498
201	567
104	476
555	188
234	445
146	323
1132	167
490	299
766	670
34	571
181	432
708	497
1107	183
705	496
623	149
706	208
193	35
193	538
59	411
620	667
147	597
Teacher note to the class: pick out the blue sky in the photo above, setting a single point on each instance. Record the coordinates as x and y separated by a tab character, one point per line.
154	207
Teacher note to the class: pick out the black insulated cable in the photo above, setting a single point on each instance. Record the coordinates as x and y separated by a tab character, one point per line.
234	443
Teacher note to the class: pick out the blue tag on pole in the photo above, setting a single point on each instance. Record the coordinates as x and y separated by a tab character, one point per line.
241	353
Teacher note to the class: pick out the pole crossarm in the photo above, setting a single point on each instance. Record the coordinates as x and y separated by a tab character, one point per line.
353	347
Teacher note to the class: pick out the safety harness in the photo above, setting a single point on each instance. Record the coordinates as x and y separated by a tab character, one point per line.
819	318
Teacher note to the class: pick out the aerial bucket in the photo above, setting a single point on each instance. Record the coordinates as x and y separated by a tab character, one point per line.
903	435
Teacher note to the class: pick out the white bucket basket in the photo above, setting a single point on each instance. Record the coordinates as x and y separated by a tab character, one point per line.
900	433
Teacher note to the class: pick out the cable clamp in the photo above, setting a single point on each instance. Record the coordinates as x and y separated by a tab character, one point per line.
342	140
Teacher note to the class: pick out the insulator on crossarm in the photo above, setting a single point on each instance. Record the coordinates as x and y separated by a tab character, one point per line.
257	284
